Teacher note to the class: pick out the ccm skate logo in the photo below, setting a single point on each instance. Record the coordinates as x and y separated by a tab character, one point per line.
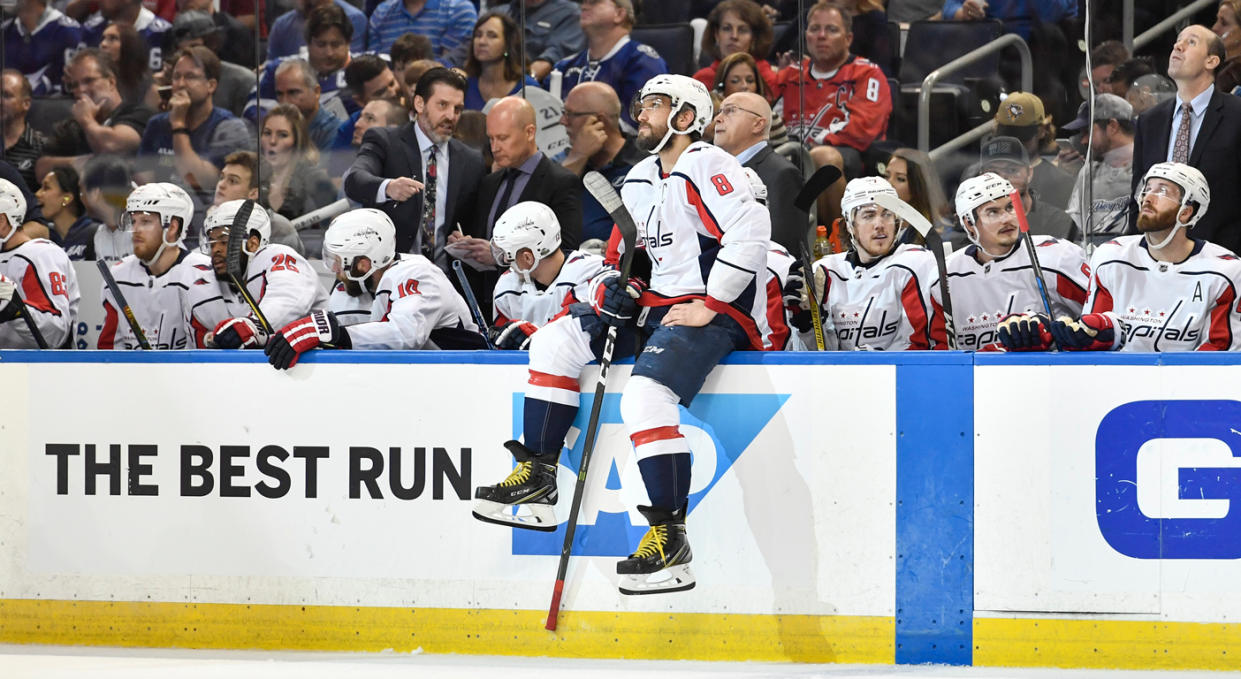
718	428
1168	479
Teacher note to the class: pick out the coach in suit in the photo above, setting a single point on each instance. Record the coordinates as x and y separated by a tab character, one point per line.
1201	127
425	180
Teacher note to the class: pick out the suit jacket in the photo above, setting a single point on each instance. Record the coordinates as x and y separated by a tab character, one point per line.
1216	153
790	227
391	152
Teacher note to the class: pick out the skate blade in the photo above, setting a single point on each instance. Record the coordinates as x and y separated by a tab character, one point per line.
540	518
671	579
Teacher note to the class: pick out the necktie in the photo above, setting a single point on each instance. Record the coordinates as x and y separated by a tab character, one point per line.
509	180
1180	152
428	208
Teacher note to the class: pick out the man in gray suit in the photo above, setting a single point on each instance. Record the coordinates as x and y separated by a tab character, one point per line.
741	128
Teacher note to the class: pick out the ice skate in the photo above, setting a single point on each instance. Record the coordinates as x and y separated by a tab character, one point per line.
661	562
523	500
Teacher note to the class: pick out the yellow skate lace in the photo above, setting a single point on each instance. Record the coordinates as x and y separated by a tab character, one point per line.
519	475
654	540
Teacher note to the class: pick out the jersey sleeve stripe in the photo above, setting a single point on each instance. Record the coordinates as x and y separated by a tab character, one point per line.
704	213
1220	333
911	299
35	296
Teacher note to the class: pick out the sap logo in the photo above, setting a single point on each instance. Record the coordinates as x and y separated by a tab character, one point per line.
1168	479
718	427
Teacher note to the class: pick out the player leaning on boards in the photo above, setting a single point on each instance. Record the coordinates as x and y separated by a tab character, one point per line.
412	304
707	298
541	281
878	294
1157	291
993	278
37	281
279	280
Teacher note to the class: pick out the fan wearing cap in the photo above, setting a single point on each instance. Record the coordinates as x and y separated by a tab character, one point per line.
1021	115
157	278
1111	137
1161	290
279	280
410	301
38	272
993	278
1006	156
541	280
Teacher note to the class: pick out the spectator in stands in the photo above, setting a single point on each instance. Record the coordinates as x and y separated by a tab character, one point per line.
737	26
1201	126
611	56
1148	91
1105	58
1006	156
413	73
151	28
239	179
493	67
1228	28
553	32
592	118
847	101
1122	77
1111	174
235	44
72	228
192	28
912	174
296	86
37	41
103	122
409	48
446	22
369	80
106	183
327	51
738	73
296	184
127	51
1020	116
22	143
1017	15
379	113
871	38
742	128
289	32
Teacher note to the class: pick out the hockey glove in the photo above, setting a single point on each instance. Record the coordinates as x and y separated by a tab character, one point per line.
615	301
513	335
796	302
1094	332
319	329
10	304
1025	332
238	333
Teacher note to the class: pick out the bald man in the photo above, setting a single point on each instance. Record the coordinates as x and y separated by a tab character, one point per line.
741	128
592	118
521	173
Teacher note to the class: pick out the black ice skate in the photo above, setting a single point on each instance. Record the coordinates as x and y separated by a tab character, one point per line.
661	563
532	485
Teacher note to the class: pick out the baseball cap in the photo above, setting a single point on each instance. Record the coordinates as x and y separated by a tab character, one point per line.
1106	107
1020	109
1003	148
192	24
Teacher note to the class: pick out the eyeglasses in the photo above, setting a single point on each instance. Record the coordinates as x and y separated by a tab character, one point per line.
730	109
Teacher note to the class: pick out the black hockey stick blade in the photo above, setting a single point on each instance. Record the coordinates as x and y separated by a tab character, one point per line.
472	302
815	185
115	289
237	235
601	189
24	312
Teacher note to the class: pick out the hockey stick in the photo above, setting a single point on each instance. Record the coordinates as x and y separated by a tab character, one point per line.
24	312
237	235
815	185
935	244
115	289
323	214
603	192
1039	279
472	301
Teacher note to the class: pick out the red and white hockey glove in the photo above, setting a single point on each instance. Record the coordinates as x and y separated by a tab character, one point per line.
238	333
615	301
319	329
514	335
1094	332
1025	332
10	303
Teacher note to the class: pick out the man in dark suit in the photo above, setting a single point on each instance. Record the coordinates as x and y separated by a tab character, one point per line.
425	180
1201	127
522	173
741	128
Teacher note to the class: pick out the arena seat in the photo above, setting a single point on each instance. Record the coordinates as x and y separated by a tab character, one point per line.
659	12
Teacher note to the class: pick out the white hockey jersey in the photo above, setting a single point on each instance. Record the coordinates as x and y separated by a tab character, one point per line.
281	281
1188	306
782	337
983	294
49	286
347	309
525	300
884	306
705	234
161	304
413	299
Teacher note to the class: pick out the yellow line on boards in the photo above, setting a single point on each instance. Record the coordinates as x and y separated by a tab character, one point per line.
689	636
1117	644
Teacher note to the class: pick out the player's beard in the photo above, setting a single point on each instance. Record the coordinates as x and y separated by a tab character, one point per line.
1162	220
647	141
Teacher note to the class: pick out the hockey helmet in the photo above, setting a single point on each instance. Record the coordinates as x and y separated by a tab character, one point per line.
13	206
861	192
1195	192
976	192
166	201
365	232
683	91
221	219
527	225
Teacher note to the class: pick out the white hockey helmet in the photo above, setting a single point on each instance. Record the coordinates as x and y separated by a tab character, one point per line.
861	192
166	201
1194	191
13	206
756	185
365	232
223	216
980	190
528	225
683	91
